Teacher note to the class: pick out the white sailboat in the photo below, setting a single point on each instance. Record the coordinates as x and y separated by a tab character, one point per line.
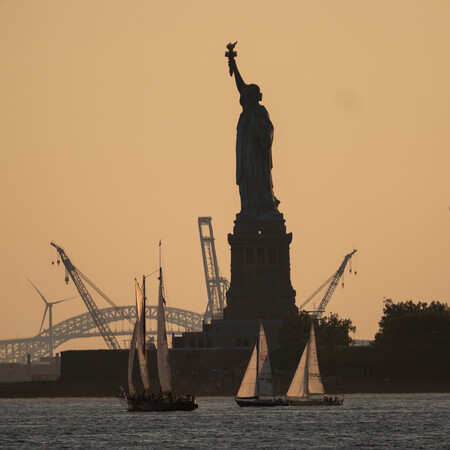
165	399
307	381
257	385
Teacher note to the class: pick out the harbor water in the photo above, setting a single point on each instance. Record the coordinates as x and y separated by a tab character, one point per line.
415	421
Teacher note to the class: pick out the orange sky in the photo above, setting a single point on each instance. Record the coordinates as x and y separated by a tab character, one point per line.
117	128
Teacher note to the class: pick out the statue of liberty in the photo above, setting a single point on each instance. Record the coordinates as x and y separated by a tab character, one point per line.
253	149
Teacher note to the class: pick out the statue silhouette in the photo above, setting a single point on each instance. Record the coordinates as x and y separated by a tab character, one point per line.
253	149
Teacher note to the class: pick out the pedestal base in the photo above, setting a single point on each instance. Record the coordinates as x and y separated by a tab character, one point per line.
260	270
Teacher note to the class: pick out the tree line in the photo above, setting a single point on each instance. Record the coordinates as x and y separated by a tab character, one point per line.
412	343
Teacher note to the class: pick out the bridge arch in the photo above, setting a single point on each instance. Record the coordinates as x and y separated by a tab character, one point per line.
82	326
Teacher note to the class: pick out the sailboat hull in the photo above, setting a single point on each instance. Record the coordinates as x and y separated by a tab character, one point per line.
162	406
315	402
260	402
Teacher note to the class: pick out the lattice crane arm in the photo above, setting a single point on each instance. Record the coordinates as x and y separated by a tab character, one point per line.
332	283
96	315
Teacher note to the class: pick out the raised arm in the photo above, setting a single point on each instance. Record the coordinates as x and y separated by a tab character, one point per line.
237	76
231	54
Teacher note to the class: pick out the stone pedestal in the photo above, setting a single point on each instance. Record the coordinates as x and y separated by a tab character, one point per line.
260	284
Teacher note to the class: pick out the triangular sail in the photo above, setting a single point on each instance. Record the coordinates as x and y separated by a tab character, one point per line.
264	369
315	385
249	386
140	341
131	388
299	384
162	349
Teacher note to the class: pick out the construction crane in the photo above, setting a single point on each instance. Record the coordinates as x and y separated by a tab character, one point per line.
96	315
216	286
332	283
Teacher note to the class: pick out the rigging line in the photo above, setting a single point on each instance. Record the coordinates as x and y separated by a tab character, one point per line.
151	273
102	294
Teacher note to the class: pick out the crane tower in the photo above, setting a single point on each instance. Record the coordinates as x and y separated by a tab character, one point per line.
216	286
96	315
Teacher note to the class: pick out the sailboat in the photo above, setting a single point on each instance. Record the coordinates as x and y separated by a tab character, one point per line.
257	385
307	380
165	399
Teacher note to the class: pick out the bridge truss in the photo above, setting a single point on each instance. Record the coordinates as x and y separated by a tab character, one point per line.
83	326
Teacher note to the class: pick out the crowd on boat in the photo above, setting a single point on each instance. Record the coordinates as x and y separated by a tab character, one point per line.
161	398
333	400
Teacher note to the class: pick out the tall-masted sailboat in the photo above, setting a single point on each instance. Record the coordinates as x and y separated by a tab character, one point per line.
165	399
307	380
257	386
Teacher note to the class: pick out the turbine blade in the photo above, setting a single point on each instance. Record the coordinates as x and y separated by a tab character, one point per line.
43	318
39	292
65	300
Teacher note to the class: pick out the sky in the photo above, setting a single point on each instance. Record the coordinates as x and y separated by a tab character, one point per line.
118	126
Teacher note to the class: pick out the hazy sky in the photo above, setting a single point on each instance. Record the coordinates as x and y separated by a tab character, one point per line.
118	127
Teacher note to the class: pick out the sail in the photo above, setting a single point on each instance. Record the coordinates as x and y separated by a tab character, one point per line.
140	340
140	314
131	388
248	386
162	349
315	385
299	384
264	369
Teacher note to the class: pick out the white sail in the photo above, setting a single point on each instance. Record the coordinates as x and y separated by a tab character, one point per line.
249	386
140	341
162	349
264	369
131	388
299	384
315	385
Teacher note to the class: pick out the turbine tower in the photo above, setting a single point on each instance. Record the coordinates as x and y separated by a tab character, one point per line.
48	307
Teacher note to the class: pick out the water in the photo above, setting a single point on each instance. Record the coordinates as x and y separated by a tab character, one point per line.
366	420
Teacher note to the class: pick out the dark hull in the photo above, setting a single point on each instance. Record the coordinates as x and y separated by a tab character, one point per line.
260	402
163	406
310	402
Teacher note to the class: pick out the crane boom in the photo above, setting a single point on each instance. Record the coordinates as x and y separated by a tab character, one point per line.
216	286
96	315
332	283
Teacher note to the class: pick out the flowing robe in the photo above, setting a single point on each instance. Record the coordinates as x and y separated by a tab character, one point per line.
254	162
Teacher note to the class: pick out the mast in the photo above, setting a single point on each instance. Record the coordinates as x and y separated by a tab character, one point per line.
162	347
131	388
258	344
307	364
144	332
265	381
315	385
140	317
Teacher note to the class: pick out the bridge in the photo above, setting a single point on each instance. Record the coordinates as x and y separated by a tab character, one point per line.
83	326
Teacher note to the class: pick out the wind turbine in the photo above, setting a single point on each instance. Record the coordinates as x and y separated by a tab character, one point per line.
48	307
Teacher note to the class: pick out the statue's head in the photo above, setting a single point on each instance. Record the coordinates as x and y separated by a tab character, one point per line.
254	93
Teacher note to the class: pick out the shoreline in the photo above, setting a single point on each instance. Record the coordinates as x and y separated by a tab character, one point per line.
56	389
